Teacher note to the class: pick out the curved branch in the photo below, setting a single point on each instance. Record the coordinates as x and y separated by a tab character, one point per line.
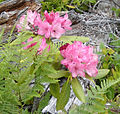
9	4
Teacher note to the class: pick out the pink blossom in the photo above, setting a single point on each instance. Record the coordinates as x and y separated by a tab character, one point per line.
50	18
43	46
30	45
66	23
22	23
44	29
52	24
37	21
79	59
57	30
77	69
91	66
31	16
64	47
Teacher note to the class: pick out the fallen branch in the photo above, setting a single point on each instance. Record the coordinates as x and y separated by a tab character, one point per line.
10	4
96	22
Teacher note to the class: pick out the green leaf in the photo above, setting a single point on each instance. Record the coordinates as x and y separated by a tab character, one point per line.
113	9
110	93
102	46
30	96
59	74
102	73
78	90
65	1
1	34
92	1
63	97
111	51
73	109
69	39
46	79
25	111
69	6
44	102
48	68
55	89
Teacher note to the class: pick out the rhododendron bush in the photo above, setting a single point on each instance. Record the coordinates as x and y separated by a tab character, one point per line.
76	57
39	58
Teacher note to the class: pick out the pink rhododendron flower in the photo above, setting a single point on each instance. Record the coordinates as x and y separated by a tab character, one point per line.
37	21
57	30
79	59
22	23
30	45
44	29
43	46
52	24
64	47
31	16
66	23
77	69
58	24
50	18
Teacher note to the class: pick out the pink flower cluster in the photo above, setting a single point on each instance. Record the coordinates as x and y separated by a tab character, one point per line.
51	26
79	59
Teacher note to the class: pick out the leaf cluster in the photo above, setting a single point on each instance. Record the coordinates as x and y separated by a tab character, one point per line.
17	73
24	72
63	5
97	98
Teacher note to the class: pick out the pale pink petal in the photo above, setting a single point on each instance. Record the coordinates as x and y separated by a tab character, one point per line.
37	21
29	40
92	71
57	30
23	43
31	16
42	46
44	29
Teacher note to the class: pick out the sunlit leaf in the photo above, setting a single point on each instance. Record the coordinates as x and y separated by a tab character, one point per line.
69	6
102	73
59	74
78	90
70	39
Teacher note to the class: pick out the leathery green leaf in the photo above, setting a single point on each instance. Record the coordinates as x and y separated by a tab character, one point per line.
55	89
101	73
63	96
78	90
59	74
69	39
